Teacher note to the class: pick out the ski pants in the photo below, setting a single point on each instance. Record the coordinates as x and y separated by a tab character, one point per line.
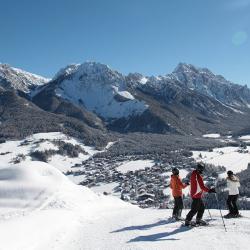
198	208
232	204
178	206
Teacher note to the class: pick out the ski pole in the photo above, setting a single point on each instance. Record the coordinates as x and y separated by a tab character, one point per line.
220	211
209	213
184	207
205	202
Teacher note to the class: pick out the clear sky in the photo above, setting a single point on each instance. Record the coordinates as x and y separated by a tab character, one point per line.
146	36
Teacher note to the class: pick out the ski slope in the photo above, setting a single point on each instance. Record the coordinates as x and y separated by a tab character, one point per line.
41	209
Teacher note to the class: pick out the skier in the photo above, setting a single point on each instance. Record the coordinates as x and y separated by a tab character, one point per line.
197	189
233	184
176	185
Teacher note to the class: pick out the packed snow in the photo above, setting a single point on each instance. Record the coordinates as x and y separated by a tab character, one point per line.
135	165
233	158
41	209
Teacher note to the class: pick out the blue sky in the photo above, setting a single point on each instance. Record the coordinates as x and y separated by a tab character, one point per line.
146	36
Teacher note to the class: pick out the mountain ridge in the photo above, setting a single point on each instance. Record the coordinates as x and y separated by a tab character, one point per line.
17	79
190	100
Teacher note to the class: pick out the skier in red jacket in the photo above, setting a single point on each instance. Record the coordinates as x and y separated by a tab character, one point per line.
197	189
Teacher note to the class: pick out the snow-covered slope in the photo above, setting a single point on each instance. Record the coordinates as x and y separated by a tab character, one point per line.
235	159
11	150
13	78
99	89
41	209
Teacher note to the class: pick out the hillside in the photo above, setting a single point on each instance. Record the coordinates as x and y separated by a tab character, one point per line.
19	118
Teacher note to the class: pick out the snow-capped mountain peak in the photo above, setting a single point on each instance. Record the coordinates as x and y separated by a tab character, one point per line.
69	69
99	89
184	67
88	69
13	78
190	73
215	86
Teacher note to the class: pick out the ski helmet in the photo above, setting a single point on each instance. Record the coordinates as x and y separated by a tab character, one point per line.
229	173
200	167
175	171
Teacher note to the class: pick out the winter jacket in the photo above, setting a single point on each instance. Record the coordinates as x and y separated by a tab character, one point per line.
197	185
233	185
176	185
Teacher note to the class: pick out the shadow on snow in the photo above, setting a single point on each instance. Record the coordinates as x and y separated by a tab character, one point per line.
143	227
160	236
153	237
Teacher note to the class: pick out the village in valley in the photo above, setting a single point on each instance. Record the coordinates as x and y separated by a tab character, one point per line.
146	187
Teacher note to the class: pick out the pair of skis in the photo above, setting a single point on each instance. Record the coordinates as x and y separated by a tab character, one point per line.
192	223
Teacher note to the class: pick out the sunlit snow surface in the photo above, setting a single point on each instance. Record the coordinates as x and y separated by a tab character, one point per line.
41	209
134	165
211	135
229	157
63	163
245	137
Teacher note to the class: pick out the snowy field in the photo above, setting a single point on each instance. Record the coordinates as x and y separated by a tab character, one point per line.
106	187
211	135
41	209
11	149
135	165
229	157
245	138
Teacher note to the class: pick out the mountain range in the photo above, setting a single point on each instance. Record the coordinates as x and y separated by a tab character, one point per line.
93	100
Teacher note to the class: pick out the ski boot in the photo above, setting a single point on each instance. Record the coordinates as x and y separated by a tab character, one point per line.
238	215
201	222
189	223
229	215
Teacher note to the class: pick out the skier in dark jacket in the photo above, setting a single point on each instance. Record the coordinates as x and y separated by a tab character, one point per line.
197	189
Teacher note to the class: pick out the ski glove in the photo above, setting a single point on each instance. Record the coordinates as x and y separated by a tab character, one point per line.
212	190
